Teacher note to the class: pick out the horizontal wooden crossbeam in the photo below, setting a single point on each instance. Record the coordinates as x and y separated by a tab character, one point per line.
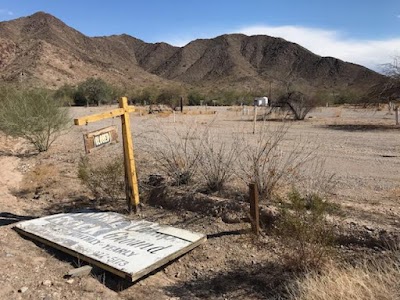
101	116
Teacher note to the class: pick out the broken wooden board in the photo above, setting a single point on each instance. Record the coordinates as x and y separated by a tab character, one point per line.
127	248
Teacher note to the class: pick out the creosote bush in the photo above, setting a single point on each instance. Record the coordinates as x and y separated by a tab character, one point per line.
261	159
176	155
105	181
217	160
305	231
33	115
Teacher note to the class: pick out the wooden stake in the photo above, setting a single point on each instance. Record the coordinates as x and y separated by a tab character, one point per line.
254	209
397	115
181	104
255	119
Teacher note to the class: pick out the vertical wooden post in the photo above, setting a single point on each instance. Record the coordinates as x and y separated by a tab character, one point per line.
255	119
397	115
131	185
181	104
254	208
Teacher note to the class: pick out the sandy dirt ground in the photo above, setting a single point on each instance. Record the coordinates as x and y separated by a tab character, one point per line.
361	147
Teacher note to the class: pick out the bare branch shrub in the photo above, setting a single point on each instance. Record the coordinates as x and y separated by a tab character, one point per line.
217	160
176	154
263	161
299	103
33	115
106	180
314	179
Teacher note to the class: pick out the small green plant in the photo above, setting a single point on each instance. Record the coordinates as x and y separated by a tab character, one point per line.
105	181
305	231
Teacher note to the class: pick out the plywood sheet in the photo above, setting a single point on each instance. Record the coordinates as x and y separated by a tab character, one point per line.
128	248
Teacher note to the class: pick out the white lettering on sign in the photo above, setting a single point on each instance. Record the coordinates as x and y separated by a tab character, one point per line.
102	139
132	247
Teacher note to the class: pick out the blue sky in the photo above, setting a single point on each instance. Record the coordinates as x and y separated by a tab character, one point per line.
365	32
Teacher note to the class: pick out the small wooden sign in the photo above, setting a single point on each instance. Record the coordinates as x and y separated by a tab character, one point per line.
127	248
101	137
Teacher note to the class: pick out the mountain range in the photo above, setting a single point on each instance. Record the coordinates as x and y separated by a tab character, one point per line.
42	50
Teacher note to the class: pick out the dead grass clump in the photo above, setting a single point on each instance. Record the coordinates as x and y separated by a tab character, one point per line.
377	280
40	177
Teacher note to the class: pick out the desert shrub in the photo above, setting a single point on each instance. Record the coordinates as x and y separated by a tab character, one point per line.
176	154
314	178
261	159
379	279
6	91
217	160
105	181
298	103
306	233
33	115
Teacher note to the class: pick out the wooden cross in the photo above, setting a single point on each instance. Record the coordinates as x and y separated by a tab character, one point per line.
131	185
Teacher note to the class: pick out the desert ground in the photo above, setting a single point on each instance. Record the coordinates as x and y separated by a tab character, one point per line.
359	146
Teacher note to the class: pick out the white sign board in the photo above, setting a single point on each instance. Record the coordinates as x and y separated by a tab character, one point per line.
128	248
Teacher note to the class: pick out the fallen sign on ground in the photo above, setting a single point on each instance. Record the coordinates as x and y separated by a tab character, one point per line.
127	248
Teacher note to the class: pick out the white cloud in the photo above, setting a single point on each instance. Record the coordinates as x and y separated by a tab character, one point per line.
370	53
6	12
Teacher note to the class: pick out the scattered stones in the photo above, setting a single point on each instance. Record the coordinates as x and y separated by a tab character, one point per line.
47	283
230	218
23	289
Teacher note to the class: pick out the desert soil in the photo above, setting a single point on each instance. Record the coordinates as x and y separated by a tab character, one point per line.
361	147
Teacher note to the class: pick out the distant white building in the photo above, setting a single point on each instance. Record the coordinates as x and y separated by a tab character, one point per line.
261	101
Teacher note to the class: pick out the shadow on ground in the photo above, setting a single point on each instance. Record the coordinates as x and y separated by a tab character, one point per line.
7	218
361	127
267	281
79	203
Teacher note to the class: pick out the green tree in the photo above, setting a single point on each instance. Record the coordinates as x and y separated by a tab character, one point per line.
93	91
195	97
65	94
170	96
33	115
